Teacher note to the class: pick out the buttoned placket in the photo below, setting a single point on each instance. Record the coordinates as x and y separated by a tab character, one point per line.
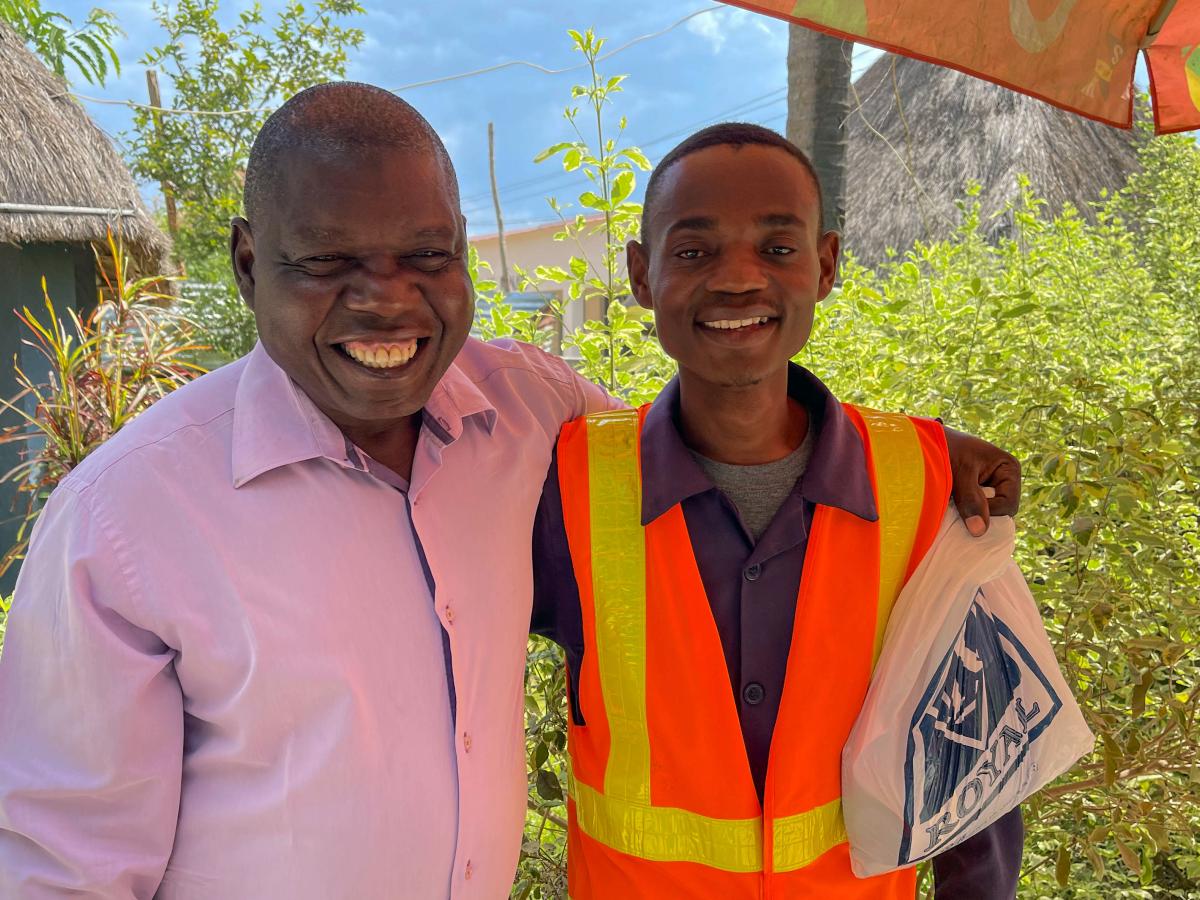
438	435
786	533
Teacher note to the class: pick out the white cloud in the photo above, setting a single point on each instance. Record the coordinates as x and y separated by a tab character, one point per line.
719	26
712	27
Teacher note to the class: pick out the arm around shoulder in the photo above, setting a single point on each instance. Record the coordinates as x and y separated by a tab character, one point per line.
582	396
91	721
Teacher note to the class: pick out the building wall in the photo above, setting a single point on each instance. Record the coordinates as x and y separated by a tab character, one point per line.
70	274
532	247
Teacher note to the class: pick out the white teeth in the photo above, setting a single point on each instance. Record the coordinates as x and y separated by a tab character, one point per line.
387	356
726	324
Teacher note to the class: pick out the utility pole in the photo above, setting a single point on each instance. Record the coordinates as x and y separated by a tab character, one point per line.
505	285
167	189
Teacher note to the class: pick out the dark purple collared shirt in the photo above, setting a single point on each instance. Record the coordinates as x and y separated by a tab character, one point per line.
752	590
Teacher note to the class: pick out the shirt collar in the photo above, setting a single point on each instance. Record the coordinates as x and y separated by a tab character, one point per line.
275	424
837	472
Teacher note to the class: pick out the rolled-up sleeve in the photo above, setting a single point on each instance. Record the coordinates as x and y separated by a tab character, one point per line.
91	720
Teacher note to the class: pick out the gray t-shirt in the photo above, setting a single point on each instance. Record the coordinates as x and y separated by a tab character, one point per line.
758	491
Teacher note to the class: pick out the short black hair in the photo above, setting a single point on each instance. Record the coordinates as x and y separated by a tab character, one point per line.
334	118
729	134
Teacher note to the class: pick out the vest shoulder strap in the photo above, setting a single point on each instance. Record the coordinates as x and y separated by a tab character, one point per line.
897	460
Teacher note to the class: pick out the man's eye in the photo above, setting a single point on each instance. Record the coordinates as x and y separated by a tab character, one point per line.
323	264
429	259
780	251
690	253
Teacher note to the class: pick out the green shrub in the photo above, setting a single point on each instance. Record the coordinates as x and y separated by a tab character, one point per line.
1074	345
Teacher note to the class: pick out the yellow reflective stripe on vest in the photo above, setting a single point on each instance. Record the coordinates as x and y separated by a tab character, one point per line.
619	591
798	840
900	494
667	834
622	817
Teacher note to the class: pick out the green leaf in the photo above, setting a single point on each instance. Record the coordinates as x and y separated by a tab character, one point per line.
622	187
548	787
552	150
1095	860
1062	866
637	157
592	200
1137	703
1130	857
1018	311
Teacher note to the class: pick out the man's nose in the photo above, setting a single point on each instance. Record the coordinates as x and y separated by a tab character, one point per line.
738	270
384	287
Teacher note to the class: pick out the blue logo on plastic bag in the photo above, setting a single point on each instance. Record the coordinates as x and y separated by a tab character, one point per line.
984	707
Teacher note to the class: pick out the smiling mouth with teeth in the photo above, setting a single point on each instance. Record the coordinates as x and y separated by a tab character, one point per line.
729	324
381	355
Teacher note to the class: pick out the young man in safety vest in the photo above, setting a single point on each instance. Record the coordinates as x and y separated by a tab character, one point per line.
720	565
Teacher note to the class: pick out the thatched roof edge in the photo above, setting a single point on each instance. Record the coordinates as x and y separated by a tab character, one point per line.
924	130
53	155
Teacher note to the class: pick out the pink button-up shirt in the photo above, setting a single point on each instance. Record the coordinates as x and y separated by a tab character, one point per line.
224	675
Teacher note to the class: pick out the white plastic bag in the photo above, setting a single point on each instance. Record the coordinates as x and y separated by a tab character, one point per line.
967	713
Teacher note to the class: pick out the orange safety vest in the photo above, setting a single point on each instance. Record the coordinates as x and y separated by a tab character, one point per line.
662	803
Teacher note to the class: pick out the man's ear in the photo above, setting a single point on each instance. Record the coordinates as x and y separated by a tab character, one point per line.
829	247
637	262
241	255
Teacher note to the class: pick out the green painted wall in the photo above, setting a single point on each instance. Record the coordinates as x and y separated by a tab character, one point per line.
69	270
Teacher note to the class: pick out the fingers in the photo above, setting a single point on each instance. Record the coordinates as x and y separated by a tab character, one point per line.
972	505
977	525
987	481
1005	480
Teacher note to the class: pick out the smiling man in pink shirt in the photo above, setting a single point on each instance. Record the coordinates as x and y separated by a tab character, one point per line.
226	676
269	640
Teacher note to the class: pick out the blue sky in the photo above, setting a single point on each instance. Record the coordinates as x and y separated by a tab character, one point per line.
723	63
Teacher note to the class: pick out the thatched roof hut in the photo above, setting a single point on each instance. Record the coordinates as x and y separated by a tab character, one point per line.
62	187
61	181
923	131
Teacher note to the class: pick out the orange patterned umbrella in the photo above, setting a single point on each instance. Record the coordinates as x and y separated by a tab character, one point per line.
1077	54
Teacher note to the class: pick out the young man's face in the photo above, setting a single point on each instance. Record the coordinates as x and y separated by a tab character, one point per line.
733	263
358	279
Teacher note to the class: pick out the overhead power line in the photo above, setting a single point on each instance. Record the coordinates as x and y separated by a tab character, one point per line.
133	104
561	179
744	106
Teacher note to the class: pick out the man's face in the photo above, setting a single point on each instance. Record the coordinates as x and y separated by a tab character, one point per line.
734	262
358	279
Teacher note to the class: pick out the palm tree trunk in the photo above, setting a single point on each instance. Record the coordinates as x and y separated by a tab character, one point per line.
819	70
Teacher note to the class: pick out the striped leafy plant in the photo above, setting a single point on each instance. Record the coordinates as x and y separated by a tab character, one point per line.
103	369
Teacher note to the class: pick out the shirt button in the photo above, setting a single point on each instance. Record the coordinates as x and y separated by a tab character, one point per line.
467	871
753	693
752	572
449	614
466	742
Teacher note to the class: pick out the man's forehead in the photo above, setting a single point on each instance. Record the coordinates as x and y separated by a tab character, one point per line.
764	183
364	163
322	198
333	229
721	164
780	218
